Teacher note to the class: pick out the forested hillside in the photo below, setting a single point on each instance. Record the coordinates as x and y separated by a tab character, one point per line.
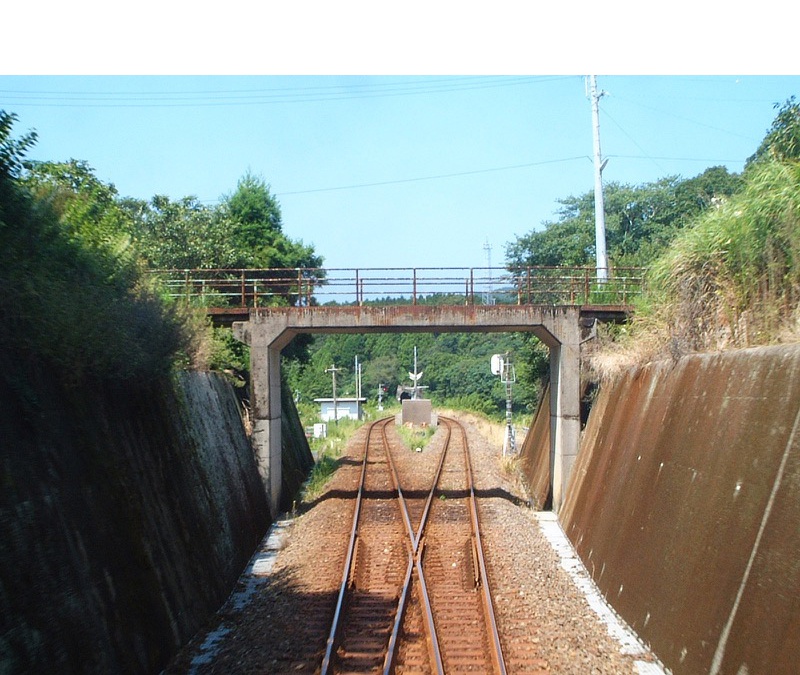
455	366
722	249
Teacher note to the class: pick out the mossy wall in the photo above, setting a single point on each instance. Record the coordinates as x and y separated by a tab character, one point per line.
127	512
535	454
296	460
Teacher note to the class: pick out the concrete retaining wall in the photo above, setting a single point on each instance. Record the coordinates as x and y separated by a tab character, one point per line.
126	515
535	455
685	507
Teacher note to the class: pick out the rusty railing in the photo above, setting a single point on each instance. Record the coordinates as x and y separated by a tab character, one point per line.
244	288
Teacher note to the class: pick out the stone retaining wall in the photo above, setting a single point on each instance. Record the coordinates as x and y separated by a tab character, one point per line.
126	515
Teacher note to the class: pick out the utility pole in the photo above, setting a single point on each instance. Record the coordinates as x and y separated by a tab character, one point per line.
333	370
599	165
358	378
508	378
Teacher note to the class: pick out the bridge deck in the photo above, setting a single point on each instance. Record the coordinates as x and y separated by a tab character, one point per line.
227	316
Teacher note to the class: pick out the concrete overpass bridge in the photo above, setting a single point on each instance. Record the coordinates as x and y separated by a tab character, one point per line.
557	305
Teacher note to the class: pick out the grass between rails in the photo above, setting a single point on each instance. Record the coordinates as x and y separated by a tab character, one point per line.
415	438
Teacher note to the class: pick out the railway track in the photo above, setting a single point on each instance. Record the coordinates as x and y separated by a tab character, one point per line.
414	594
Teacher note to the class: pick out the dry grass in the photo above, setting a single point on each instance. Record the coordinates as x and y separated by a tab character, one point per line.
616	351
611	356
493	432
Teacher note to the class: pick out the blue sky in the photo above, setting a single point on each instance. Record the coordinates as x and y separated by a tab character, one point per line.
394	171
395	140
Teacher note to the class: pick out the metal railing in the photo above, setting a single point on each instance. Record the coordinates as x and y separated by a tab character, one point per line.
244	288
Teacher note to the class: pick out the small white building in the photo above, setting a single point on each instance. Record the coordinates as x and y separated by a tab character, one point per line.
346	408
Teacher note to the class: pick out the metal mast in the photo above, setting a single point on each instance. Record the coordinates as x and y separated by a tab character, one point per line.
333	370
508	376
599	165
488	298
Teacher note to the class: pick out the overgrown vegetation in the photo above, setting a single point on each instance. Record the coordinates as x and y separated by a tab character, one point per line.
76	261
74	293
326	450
732	277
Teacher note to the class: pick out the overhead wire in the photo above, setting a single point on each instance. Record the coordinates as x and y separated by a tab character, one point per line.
681	117
318	93
346	91
434	177
631	138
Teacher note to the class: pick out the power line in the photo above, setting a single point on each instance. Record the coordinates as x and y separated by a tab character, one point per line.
479	171
261	96
632	139
681	117
419	83
434	177
680	159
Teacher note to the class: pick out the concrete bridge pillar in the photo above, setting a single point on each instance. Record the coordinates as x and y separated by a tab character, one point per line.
564	340
265	395
271	329
565	417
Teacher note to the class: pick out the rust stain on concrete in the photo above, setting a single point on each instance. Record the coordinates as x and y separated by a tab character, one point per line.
684	506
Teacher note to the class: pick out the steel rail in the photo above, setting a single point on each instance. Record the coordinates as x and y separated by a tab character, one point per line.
415	564
415	561
429	500
335	625
394	637
494	641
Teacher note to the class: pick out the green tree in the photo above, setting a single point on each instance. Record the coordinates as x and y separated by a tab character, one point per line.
89	213
181	234
782	141
12	150
74	298
382	369
640	221
14	202
257	228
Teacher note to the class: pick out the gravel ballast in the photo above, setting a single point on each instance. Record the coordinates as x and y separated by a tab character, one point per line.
546	605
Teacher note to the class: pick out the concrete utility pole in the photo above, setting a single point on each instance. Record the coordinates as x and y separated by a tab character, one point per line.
599	165
358	378
333	370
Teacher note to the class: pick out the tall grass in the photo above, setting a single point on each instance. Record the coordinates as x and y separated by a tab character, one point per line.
734	278
730	280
